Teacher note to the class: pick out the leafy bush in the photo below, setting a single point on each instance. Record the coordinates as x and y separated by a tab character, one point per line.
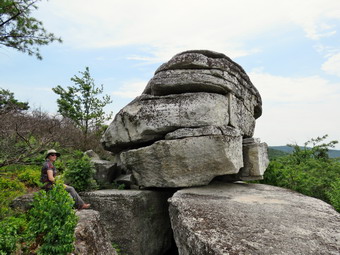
12	231
52	221
334	194
30	176
79	173
10	189
307	170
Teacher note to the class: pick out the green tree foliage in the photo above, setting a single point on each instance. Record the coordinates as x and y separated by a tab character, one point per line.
79	172
334	194
10	189
21	31
52	221
15	180
80	103
8	104
12	232
308	170
273	153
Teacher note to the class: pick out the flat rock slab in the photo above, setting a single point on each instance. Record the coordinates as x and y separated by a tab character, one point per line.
136	220
239	218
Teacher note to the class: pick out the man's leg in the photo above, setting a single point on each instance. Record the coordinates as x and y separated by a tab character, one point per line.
77	199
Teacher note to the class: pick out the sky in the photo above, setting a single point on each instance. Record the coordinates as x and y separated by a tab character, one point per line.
289	49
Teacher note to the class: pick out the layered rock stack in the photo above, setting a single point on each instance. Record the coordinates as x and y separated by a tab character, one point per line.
194	121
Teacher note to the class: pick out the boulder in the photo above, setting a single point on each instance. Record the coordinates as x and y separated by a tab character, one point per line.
136	220
204	71
91	237
239	218
188	125
150	118
23	203
91	154
240	117
186	162
105	171
255	158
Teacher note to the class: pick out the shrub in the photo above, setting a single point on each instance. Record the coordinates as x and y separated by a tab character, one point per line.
52	221
12	231
30	176
79	173
308	171
334	194
10	189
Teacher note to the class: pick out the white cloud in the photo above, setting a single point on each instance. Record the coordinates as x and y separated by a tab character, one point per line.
169	27
296	109
130	89
313	89
332	65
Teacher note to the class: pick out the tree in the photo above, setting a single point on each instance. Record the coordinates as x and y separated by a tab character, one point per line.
80	103
8	104
19	30
308	170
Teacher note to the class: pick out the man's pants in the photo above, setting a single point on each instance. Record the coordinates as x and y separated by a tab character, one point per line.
77	199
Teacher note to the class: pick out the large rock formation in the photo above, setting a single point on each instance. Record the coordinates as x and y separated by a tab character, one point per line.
226	218
189	124
136	220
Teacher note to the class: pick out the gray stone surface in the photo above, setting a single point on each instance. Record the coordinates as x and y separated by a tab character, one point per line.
252	219
136	220
240	117
255	158
190	132
174	134
91	237
149	118
205	71
202	131
105	171
91	154
184	162
23	203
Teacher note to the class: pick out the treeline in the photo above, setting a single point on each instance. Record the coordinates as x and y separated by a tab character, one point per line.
308	170
25	133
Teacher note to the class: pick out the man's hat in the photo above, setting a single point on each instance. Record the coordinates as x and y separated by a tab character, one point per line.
52	152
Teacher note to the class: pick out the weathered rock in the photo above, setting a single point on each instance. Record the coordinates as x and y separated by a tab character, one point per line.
136	220
149	118
202	131
225	218
105	171
23	203
255	158
204	71
125	179
174	134
91	154
184	81
91	237
240	117
184	162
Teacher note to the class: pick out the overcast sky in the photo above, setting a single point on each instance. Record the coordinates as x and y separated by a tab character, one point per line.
290	50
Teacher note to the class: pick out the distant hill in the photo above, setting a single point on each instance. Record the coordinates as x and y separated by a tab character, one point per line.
275	151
